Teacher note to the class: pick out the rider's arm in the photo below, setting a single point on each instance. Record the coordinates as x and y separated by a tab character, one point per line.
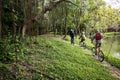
101	36
92	38
80	37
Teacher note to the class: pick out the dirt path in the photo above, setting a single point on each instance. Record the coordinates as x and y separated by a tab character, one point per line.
112	69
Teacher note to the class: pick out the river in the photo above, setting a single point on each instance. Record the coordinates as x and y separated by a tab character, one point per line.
112	45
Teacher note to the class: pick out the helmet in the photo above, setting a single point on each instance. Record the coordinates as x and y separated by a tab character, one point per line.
83	32
96	31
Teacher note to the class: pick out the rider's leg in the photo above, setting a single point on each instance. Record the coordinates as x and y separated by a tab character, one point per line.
98	45
98	49
80	43
72	40
96	52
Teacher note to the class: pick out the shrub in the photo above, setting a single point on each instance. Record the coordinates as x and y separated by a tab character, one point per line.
9	48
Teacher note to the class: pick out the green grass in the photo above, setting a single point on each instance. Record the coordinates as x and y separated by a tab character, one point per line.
53	59
112	60
105	48
110	34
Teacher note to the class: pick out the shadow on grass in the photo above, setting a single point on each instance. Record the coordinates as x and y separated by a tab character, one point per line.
6	74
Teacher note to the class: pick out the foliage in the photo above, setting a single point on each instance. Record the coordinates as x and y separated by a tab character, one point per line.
112	48
59	60
12	14
112	60
78	14
6	15
6	74
10	49
54	59
6	49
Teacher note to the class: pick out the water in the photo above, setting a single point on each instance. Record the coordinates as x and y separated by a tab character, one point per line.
117	55
112	45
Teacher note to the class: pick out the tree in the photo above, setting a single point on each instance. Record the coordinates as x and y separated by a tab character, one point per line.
0	18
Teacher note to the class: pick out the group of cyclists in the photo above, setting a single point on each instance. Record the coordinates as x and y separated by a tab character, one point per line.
96	39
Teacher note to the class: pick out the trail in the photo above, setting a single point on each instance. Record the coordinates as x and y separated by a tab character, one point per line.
112	69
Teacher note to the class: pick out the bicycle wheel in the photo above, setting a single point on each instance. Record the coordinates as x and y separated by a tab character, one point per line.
101	56
93	50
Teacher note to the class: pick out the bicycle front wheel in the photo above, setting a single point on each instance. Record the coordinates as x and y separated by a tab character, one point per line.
93	51
101	56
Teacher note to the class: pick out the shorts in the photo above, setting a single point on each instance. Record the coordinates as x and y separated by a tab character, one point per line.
98	45
82	40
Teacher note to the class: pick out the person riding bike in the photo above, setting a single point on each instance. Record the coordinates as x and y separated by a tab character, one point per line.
98	40
82	38
72	36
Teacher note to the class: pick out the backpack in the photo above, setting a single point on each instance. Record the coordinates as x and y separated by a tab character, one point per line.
98	36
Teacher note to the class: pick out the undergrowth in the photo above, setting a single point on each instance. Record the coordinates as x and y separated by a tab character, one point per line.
51	59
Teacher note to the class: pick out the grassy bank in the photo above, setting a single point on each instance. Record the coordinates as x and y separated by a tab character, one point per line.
51	59
105	47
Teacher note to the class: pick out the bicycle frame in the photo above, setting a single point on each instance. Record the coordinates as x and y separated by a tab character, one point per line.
100	54
82	44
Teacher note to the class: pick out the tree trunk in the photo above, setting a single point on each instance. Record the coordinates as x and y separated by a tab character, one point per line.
25	20
0	18
41	15
13	21
66	13
24	31
37	31
14	30
61	30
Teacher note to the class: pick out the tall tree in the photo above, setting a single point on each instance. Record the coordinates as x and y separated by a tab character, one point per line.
45	8
0	18
65	23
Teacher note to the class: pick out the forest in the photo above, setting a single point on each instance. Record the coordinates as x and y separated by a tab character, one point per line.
26	44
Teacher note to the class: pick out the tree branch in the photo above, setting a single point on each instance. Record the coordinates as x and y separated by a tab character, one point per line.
51	6
71	3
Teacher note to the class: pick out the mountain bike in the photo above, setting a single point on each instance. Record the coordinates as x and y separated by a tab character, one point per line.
100	54
82	44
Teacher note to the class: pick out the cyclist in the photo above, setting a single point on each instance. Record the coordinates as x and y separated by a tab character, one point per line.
72	36
82	37
98	40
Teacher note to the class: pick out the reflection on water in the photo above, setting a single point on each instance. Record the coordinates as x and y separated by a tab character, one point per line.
117	55
112	45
